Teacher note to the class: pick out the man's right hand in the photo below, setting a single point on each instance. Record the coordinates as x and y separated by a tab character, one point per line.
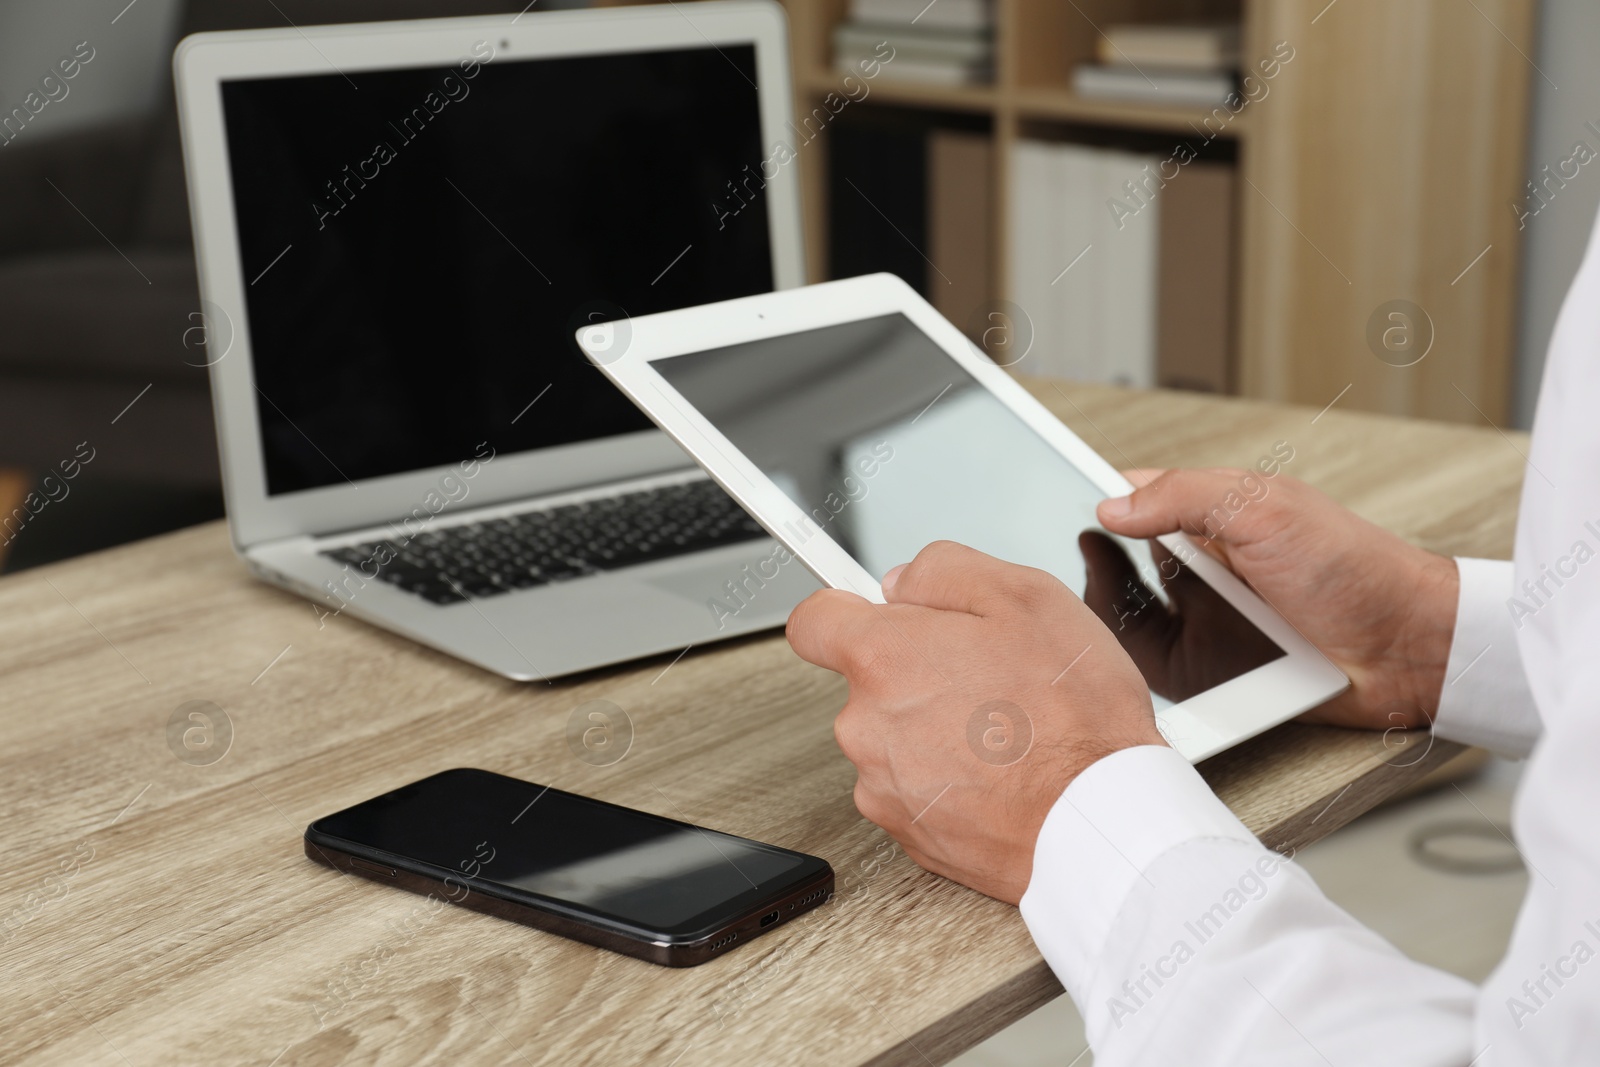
1383	610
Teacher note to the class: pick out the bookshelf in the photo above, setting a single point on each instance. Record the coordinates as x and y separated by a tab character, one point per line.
1383	161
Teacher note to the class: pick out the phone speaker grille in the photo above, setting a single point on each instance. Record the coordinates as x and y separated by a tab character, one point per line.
803	901
730	939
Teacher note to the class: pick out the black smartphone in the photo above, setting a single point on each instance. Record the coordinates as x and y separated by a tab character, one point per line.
658	889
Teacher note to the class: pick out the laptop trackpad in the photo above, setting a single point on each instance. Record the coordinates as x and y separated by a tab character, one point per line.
743	587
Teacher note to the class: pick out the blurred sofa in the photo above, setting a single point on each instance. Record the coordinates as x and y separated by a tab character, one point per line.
85	326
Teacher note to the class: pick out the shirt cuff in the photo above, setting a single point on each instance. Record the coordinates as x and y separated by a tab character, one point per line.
1486	700
1107	828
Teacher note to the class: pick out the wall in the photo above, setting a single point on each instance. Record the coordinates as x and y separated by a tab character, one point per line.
125	77
1569	38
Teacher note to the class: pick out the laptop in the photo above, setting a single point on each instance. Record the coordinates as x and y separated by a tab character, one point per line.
399	227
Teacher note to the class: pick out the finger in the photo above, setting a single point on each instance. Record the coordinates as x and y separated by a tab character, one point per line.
1203	503
1142	476
1124	601
952	577
970	871
1109	575
827	625
1180	582
876	801
891	577
876	646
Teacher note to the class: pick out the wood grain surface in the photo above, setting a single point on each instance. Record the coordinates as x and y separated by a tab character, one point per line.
155	911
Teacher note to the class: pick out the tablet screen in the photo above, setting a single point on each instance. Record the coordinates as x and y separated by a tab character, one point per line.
888	444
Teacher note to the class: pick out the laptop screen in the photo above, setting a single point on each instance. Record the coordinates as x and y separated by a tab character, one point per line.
419	245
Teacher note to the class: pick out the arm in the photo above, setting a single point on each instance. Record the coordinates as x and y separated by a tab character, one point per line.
1115	840
1182	940
1205	947
1540	1004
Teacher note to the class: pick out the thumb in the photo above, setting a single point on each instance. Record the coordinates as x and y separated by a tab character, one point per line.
1117	593
1109	577
1173	501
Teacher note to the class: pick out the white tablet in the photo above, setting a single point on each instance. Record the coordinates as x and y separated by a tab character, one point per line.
857	425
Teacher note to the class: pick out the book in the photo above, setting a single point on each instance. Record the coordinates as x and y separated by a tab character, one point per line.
947	14
1153	85
941	56
1032	262
932	72
1128	303
1086	280
960	205
1195	302
1196	46
1078	278
864	38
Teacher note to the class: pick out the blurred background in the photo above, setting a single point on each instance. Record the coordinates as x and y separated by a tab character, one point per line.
1365	203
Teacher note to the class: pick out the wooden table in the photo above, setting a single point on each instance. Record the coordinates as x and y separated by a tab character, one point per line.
161	911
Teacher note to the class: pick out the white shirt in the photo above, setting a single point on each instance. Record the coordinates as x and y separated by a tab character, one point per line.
1184	941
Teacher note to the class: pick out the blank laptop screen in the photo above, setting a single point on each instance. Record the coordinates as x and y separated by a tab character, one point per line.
418	246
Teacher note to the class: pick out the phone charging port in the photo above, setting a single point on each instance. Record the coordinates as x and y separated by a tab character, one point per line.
768	920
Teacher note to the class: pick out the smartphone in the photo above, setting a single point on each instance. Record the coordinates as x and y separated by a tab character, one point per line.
657	889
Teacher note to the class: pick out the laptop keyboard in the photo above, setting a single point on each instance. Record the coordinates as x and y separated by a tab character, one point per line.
536	548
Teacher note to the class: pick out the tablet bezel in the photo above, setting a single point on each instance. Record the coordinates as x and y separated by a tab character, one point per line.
1198	727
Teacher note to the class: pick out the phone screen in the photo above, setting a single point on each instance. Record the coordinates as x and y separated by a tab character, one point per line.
635	869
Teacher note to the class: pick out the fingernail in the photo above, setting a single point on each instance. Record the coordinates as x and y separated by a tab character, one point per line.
1117	507
892	577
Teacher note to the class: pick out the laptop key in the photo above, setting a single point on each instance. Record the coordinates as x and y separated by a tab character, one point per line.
534	548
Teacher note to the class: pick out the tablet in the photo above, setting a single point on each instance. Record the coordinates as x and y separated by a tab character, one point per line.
858	425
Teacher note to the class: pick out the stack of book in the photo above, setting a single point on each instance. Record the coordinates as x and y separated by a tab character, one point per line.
1126	279
1163	64
950	42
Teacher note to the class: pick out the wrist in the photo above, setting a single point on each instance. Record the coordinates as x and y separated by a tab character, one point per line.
1428	631
1088	753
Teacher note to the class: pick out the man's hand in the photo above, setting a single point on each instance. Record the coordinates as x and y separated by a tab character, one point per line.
977	694
1381	609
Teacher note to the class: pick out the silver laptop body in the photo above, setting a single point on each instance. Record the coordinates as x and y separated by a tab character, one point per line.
398	227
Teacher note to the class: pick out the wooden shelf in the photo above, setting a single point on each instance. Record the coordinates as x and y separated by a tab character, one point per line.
1043	102
1063	103
1345	199
886	90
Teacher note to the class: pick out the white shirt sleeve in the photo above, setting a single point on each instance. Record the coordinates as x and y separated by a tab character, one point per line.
1183	940
1542	1003
1486	700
